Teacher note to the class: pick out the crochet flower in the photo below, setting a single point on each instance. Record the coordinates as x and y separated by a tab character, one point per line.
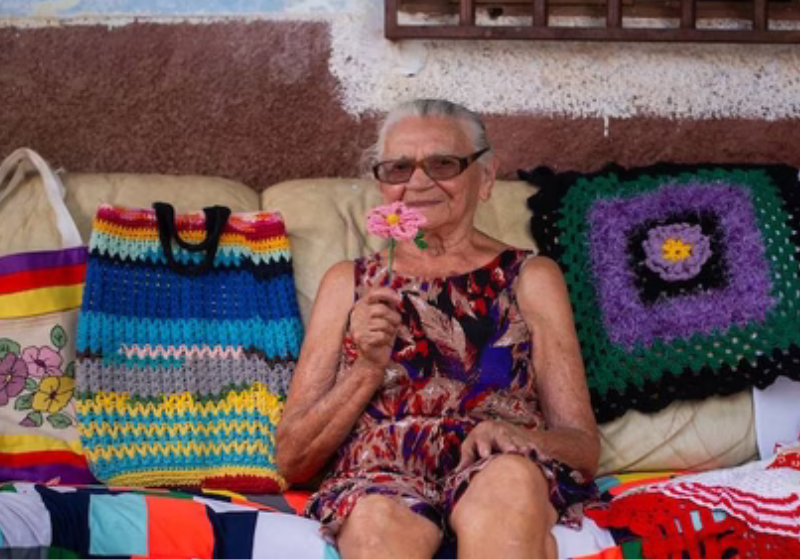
396	221
53	393
676	251
42	361
12	377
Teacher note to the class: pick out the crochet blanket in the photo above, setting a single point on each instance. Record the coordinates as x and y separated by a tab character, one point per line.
38	521
752	511
685	280
182	372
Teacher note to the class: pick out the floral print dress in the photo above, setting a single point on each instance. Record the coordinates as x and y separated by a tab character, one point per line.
462	355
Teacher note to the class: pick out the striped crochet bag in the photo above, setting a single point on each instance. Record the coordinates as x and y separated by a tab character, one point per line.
187	340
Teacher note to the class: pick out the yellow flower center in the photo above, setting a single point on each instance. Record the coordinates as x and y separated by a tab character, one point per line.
675	250
392	219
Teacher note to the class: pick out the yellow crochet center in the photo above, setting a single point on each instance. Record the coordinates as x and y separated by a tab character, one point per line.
675	250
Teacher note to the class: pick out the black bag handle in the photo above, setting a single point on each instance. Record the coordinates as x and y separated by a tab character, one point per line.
216	218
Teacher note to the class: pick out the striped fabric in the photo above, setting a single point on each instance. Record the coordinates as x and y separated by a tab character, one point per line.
181	379
41	282
39	296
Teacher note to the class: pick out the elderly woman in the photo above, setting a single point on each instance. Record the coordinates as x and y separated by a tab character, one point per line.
453	400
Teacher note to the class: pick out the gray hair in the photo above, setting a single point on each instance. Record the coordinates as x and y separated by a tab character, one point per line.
472	123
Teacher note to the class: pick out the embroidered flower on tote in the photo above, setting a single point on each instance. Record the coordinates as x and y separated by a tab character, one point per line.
12	377
397	222
33	383
42	361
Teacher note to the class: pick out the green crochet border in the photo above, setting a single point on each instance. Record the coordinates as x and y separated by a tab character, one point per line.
605	359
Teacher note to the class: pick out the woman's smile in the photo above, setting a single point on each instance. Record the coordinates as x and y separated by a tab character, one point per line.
422	203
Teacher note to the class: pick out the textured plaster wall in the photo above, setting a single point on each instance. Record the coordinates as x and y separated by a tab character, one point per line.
609	81
264	91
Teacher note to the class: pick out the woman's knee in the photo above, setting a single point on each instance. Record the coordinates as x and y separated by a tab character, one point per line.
508	484
380	526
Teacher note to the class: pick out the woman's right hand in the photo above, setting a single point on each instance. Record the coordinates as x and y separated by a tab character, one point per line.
374	321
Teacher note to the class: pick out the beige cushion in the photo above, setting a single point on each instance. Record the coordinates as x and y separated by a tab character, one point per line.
692	435
28	222
325	220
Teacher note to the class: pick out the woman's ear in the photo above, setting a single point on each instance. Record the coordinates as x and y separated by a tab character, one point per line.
489	175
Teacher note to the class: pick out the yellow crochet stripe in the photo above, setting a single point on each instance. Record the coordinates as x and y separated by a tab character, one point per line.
40	301
192	477
151	234
255	398
177	449
224	426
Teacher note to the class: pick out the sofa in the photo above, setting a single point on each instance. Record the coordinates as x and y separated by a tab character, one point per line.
325	221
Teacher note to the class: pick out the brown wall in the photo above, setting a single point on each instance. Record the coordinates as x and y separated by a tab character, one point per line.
256	102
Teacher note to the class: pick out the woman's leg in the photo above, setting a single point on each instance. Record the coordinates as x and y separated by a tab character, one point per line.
382	527
506	512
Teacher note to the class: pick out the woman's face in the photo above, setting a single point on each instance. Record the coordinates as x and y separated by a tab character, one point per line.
447	204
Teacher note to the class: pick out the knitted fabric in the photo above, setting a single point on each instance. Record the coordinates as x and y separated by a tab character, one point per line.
765	497
181	379
685	280
678	528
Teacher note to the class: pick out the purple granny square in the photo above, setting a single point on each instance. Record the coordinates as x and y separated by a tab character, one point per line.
676	252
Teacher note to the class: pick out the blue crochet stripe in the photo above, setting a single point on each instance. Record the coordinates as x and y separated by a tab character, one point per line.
115	418
161	293
151	251
105	469
101	334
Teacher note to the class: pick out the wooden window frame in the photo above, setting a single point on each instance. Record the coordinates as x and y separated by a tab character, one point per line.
687	12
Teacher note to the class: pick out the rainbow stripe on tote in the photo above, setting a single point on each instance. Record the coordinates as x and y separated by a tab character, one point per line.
41	282
182	379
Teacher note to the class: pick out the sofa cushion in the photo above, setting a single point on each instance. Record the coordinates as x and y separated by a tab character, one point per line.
326	223
713	432
30	226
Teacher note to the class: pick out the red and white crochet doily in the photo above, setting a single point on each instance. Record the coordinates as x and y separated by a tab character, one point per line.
766	497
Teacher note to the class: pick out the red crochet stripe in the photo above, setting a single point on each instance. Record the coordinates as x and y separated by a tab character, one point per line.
667	530
244	484
756	514
261	228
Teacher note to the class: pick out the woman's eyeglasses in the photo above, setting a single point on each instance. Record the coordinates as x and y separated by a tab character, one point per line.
437	167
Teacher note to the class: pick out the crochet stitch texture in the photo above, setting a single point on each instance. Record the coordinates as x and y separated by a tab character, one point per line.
685	280
181	379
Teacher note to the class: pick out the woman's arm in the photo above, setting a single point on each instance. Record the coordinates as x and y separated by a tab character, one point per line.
321	410
572	435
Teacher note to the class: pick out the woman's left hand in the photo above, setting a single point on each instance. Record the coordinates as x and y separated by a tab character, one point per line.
492	436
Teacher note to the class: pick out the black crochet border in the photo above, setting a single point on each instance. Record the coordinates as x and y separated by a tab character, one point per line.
694	384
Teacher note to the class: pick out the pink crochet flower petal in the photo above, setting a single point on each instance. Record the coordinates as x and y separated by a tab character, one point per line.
405	229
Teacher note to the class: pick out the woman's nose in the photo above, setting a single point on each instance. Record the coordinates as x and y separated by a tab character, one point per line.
419	179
